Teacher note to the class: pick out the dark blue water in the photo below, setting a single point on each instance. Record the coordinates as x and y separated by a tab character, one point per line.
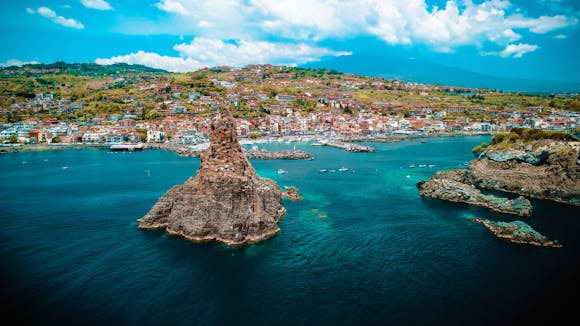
362	247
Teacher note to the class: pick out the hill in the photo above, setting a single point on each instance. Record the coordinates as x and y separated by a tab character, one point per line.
422	71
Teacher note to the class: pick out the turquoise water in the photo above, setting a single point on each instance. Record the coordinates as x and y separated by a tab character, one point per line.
362	247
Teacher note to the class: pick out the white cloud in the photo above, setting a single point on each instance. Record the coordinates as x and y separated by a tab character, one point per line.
97	4
172	7
52	15
518	50
458	23
204	52
16	62
213	52
154	60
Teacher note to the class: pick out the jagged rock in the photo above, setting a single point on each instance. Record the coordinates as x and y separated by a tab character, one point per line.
451	186
292	193
226	201
517	232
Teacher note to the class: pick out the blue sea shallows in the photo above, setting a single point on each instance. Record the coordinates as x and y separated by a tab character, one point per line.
361	248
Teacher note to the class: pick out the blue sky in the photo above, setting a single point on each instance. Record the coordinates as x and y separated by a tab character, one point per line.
537	39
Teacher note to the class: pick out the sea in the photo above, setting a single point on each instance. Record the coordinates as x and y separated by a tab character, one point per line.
361	248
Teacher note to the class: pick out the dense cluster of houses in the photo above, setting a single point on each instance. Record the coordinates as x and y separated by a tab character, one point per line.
325	107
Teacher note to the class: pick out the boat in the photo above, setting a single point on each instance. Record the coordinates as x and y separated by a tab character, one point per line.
422	165
342	169
412	166
280	171
316	144
322	170
127	147
431	165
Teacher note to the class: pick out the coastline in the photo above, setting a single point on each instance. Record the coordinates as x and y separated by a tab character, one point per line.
176	148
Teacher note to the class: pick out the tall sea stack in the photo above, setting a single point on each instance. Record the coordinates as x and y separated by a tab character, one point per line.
226	201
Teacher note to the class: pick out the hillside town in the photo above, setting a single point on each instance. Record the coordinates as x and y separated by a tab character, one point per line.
269	102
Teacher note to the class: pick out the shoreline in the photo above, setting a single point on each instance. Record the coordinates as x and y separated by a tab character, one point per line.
172	147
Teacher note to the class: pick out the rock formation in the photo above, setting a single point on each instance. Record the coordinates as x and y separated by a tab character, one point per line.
543	169
292	193
517	232
226	201
540	168
451	186
291	154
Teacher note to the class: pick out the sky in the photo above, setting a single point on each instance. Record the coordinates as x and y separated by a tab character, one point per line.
534	39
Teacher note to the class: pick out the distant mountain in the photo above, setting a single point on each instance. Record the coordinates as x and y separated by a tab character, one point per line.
420	71
85	69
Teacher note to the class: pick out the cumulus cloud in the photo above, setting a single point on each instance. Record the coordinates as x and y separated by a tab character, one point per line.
97	4
213	52
172	7
150	59
16	62
518	50
52	15
204	52
456	24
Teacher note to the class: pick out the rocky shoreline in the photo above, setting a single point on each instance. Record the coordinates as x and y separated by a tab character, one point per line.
451	186
545	169
517	232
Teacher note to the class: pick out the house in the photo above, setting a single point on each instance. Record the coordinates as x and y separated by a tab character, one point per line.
41	136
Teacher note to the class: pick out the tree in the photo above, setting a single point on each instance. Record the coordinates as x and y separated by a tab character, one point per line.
13	139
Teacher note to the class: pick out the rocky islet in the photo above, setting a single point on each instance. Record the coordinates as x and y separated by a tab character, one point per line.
226	201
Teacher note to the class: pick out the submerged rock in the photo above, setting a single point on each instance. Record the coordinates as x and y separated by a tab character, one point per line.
450	186
226	201
517	232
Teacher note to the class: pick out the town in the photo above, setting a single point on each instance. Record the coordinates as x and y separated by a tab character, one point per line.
97	105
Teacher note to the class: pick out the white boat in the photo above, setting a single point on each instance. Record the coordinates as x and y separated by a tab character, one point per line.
280	171
431	165
412	166
316	144
342	169
422	165
322	170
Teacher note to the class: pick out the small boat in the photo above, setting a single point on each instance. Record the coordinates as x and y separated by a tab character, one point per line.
431	165
422	165
342	169
322	170
280	171
311	158
412	166
332	170
316	144
65	167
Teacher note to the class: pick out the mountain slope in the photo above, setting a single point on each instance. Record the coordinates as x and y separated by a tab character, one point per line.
421	71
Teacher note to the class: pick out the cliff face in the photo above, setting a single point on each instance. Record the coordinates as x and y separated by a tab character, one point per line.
226	201
543	169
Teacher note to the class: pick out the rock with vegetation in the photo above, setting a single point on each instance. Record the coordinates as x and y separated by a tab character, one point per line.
451	186
226	201
532	163
517	232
